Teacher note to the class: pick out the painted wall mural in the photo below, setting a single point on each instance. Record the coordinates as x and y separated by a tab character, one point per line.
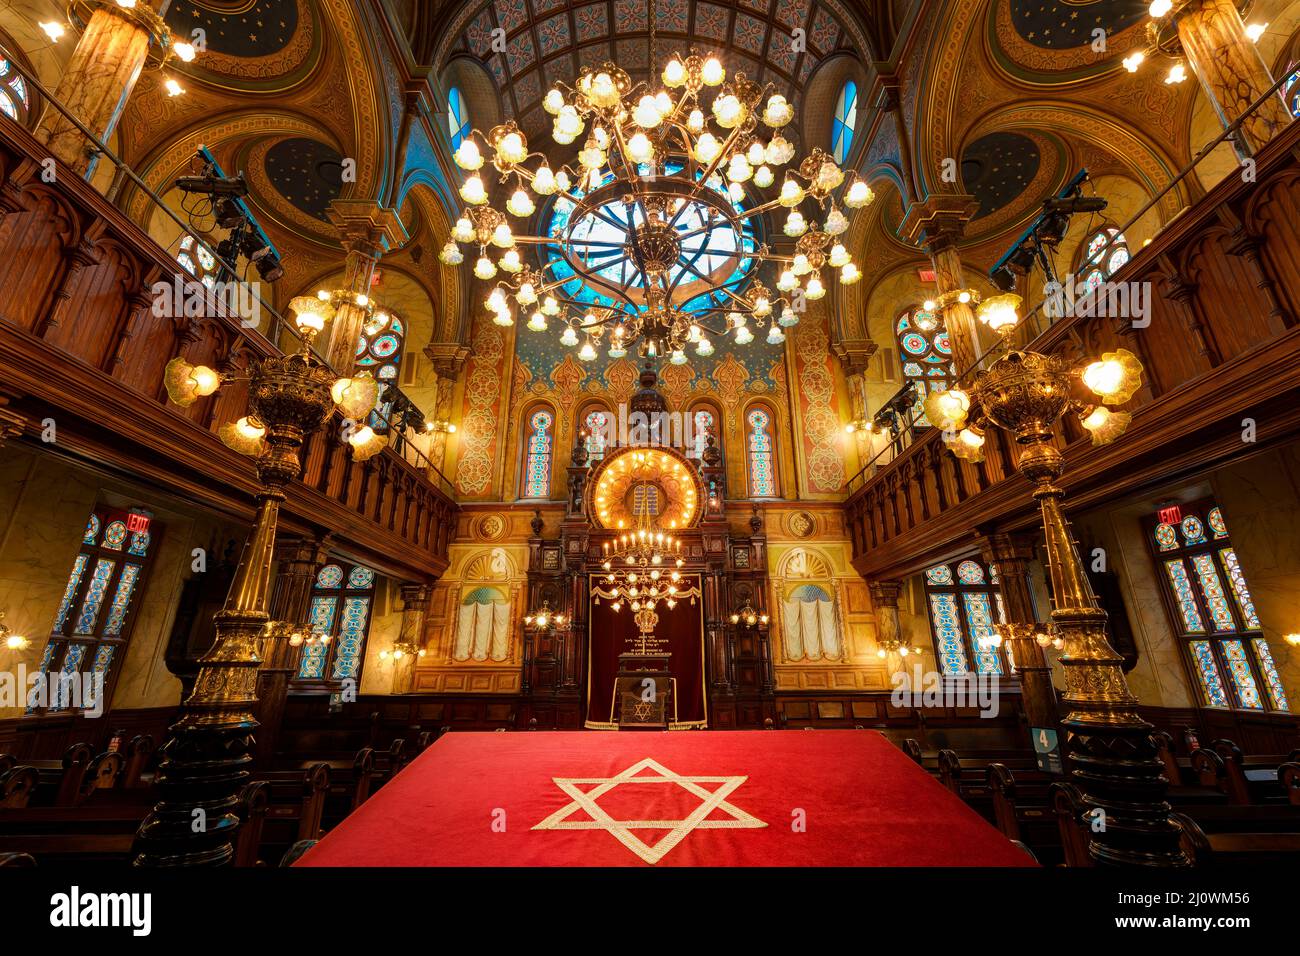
480	413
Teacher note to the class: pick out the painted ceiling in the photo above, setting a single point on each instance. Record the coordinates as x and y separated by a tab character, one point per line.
550	40
1063	24
997	168
243	28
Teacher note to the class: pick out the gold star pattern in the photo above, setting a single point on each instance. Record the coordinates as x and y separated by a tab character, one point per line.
678	830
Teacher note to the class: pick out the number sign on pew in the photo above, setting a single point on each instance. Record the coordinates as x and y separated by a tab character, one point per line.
1047	750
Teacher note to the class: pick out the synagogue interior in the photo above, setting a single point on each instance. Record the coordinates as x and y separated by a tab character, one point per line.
655	419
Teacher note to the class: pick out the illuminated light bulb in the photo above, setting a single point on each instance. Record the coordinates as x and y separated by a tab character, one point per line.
588	351
814	289
640	149
53	30
880	652
511	262
468	156
592	157
836	223
743	335
544	181
1104	377
1177	73
778	112
472	191
780	150
1134	60
728	111
520	204
736	192
788	281
512	149
859	195
451	254
485	268
788	317
526	295
795	224
564	139
756	154
849	274
173	88
929	305
674	73
562	181
678	357
502	237
739	170
970	438
503	317
616	349
1159	8
568	122
828	177
763	177
1000	313
185	52
126	4
775	336
695	122
537	322
553	101
647	114
704	347
791	194
463	231
800	266
947	409
568	337
550	306
839	256
707	148
496	301
762	307
1255	30
713	74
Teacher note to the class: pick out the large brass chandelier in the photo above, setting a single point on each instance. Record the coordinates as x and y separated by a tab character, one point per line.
642	568
654	239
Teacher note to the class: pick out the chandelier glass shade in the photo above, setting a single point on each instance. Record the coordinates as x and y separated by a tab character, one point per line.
653	238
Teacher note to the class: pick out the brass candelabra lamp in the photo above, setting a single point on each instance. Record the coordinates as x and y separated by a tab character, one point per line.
642	568
206	757
1113	757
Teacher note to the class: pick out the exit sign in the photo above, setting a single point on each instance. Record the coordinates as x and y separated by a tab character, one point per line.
1171	515
137	522
927	275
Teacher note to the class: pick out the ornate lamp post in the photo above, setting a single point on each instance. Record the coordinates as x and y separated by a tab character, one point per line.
1112	753
205	759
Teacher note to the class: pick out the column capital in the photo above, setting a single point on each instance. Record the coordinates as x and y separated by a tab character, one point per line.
938	222
366	226
415	596
854	354
885	593
446	357
1001	548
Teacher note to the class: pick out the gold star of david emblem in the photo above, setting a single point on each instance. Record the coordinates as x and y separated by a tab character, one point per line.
621	830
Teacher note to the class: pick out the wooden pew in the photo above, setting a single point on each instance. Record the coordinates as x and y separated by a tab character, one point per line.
138	752
61	780
1254	778
1180	792
1236	848
1289	776
350	783
912	748
1022	809
254	801
17	786
1067	803
296	800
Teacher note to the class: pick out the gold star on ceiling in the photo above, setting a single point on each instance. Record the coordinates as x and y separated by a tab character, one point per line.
621	830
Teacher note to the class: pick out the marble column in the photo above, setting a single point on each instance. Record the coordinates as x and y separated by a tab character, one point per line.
367	231
95	86
937	225
1012	555
415	607
884	601
1231	71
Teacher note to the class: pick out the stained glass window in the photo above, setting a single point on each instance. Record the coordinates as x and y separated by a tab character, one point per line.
1291	89
1211	606
762	454
95	613
14	101
844	122
457	117
596	426
926	356
537	455
197	261
379	351
341	601
965	609
1104	254
703	424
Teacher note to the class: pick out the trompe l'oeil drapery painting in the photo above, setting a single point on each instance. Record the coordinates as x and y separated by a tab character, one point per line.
809	626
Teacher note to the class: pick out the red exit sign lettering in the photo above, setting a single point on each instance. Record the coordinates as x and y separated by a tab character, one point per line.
136	522
1171	515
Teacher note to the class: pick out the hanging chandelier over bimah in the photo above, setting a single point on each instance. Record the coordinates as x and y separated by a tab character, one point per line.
655	238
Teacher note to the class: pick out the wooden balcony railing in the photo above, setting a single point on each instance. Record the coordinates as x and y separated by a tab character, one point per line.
83	343
1221	345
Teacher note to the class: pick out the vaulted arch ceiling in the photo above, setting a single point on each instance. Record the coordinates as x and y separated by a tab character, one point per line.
529	45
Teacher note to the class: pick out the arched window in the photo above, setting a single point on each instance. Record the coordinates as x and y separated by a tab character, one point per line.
379	351
538	448
846	119
1211	608
340	613
14	101
1104	253
1291	90
704	422
762	453
965	602
597	427
94	619
197	261
457	117
926	356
